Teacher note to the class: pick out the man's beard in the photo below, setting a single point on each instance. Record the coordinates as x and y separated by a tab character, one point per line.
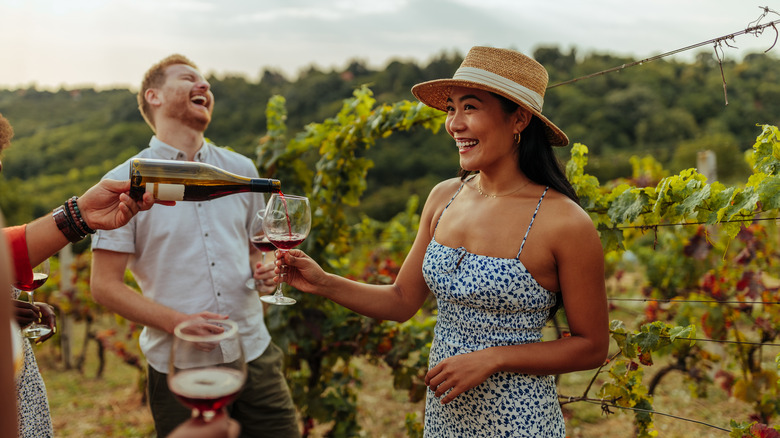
198	122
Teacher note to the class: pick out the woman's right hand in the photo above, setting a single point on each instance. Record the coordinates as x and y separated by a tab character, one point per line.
300	271
26	313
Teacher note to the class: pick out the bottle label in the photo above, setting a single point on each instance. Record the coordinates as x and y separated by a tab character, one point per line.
166	192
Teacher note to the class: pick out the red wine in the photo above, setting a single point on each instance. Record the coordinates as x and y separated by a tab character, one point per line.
207	389
172	180
288	241
262	244
286	212
37	281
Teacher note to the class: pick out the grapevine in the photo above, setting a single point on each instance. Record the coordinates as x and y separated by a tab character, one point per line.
321	338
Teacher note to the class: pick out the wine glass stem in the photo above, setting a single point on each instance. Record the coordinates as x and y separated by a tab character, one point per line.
278	292
30	297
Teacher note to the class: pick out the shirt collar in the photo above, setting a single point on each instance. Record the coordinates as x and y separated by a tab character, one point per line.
165	151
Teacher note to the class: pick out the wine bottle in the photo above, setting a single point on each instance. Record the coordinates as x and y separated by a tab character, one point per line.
171	180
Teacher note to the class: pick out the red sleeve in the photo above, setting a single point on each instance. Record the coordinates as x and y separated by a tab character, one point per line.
17	243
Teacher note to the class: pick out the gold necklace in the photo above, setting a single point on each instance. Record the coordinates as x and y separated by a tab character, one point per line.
486	195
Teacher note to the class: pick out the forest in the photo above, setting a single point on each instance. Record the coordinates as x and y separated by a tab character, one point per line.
67	139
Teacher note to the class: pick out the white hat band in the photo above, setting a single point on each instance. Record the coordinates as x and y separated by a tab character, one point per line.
519	92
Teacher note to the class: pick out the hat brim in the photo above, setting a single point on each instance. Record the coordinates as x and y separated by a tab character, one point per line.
436	92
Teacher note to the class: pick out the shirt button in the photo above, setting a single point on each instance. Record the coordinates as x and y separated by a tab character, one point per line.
212	263
207	234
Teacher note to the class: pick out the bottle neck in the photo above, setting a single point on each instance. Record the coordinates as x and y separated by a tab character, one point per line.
265	185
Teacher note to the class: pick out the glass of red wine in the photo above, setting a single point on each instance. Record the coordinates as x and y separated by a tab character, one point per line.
207	369
258	240
287	222
40	275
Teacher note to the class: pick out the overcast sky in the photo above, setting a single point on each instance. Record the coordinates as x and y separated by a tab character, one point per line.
104	43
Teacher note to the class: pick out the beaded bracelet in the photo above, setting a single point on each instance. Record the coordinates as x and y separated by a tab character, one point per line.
73	207
72	218
70	222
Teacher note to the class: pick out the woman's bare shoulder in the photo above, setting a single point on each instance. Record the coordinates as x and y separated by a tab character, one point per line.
563	212
444	190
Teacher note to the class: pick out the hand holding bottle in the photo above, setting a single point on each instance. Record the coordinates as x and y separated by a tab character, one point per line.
107	205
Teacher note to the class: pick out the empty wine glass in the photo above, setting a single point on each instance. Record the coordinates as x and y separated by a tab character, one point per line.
40	275
207	369
287	222
258	240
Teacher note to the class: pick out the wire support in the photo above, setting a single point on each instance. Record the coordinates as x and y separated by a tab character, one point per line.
606	406
755	29
672	300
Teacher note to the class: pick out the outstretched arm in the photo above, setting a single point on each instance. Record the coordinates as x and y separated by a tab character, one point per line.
105	206
396	302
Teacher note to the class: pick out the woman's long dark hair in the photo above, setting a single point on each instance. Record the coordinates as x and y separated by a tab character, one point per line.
536	159
535	156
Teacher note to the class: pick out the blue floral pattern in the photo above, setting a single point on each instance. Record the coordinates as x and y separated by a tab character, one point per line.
485	302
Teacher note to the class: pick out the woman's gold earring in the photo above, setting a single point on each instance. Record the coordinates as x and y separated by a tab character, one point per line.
517	138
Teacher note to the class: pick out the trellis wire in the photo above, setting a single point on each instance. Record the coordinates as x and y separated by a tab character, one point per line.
604	405
616	227
757	29
717	341
672	300
683	224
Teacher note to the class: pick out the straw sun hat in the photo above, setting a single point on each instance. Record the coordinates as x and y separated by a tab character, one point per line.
505	72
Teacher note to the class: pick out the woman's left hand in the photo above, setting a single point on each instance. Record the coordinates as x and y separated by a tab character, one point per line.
458	374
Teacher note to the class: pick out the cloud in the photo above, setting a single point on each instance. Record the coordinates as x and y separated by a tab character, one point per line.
331	11
72	42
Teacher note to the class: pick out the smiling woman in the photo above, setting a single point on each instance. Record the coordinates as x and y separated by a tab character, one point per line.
501	251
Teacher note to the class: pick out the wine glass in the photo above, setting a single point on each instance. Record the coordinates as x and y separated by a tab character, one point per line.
258	240
40	275
207	369
287	222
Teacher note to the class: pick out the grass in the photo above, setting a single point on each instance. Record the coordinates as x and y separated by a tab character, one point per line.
112	406
84	405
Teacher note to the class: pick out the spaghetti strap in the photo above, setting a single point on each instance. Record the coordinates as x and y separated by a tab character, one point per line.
448	204
532	221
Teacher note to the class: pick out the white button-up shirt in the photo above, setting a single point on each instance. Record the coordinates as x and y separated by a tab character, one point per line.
193	256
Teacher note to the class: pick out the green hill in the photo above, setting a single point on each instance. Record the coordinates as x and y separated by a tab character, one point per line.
66	140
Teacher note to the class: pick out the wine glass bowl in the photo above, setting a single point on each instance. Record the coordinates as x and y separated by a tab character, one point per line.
207	366
39	277
287	222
